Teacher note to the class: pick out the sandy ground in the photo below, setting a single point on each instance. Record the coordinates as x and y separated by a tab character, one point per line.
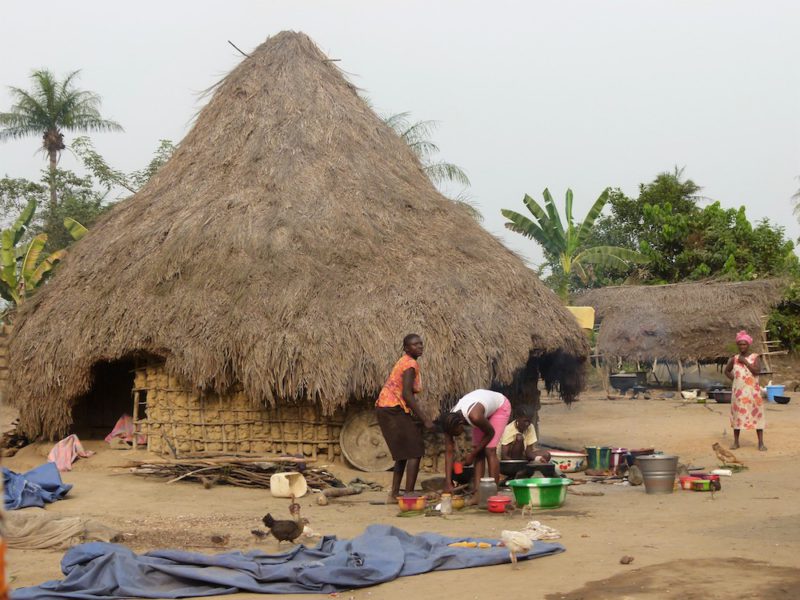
744	542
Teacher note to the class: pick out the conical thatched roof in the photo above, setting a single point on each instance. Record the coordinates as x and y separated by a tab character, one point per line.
287	246
688	321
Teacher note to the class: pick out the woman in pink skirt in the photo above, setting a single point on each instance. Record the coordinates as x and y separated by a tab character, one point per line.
488	413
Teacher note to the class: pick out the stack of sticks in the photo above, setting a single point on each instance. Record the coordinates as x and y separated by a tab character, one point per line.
250	471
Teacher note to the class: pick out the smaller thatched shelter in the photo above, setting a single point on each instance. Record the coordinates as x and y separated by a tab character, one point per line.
683	322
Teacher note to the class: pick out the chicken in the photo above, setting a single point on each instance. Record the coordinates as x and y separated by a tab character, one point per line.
726	457
294	509
220	539
284	530
689	395
517	542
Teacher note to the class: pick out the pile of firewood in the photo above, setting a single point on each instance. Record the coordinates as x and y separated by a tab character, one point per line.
13	440
250	471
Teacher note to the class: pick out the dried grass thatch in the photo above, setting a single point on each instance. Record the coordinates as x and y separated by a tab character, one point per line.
688	321
288	246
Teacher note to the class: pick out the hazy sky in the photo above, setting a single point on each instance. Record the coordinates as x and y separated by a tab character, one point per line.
529	95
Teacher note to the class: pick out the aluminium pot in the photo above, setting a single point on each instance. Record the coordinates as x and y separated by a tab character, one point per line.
658	472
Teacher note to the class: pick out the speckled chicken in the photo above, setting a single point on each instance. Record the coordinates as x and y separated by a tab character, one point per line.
726	457
284	530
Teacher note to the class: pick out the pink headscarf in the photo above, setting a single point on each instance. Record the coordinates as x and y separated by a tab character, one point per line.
743	336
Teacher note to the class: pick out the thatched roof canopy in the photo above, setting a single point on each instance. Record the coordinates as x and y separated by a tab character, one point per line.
287	247
689	321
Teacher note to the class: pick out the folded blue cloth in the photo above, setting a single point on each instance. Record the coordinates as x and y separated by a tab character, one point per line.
100	571
34	488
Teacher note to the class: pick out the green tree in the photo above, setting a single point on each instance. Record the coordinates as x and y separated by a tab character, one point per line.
48	109
566	247
83	198
784	321
80	200
109	177
627	224
686	241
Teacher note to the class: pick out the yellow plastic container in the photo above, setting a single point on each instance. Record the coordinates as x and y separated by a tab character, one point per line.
584	315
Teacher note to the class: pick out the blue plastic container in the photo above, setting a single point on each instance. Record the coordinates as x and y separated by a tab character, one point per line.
774	390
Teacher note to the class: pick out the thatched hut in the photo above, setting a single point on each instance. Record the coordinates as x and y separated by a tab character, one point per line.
694	322
260	284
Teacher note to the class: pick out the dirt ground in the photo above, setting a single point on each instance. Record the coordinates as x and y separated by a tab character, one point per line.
744	542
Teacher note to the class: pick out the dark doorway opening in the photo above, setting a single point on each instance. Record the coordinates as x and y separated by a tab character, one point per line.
95	414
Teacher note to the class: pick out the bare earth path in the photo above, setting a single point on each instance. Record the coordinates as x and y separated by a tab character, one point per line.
743	543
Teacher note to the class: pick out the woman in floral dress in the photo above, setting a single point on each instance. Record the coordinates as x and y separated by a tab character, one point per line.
747	406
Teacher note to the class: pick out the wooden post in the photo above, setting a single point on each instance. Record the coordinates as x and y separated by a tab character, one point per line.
135	396
680	375
603	372
653	368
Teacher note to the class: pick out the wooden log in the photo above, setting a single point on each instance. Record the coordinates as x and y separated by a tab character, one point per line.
338	492
221	461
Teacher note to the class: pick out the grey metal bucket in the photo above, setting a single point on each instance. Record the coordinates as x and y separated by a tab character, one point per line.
658	472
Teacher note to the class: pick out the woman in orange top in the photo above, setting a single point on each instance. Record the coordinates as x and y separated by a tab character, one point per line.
399	414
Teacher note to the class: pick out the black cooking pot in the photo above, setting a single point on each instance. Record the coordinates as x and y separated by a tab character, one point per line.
624	381
721	396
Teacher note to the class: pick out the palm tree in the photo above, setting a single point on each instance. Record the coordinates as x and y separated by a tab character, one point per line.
417	136
48	108
567	245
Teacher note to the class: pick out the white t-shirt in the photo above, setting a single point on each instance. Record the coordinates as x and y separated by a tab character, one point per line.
491	402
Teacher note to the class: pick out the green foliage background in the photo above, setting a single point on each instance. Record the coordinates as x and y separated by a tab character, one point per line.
689	238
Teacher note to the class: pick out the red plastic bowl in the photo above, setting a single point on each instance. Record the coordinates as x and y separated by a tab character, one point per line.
497	504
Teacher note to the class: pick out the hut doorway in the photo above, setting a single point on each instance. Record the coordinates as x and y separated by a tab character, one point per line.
95	414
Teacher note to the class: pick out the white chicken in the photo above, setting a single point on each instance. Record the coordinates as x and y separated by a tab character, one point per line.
517	542
689	395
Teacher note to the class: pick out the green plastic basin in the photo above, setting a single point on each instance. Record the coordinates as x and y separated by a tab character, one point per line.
540	492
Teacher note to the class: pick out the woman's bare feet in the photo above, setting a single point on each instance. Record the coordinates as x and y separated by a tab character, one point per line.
471	501
734	446
762	447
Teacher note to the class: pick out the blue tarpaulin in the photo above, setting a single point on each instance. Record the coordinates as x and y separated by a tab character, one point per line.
34	488
100	571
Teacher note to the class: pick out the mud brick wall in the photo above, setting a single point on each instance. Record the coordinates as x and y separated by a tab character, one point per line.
170	414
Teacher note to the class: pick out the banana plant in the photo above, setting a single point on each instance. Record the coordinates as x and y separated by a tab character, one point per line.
75	229
24	268
565	243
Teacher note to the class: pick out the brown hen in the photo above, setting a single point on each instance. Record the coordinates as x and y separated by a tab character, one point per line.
284	530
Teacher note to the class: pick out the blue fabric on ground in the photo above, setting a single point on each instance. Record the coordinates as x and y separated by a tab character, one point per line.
100	571
34	488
